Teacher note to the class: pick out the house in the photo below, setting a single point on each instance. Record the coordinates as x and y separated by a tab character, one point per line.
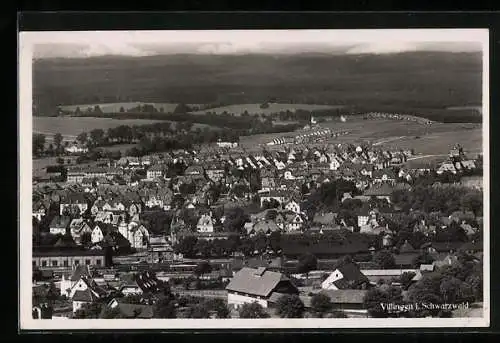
72	200
155	171
294	222
67	283
447	167
137	235
128	311
279	196
77	228
257	285
40	209
76	149
349	301
160	250
55	258
383	191
215	173
85	291
384	175
293	206
264	226
205	223
347	276
99	232
59	225
194	170
139	283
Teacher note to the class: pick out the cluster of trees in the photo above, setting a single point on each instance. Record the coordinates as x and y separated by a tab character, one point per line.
328	197
457	283
445	200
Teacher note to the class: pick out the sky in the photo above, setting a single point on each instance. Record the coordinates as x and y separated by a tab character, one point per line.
145	43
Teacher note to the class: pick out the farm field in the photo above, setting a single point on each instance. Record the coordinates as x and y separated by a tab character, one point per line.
70	127
436	139
273	108
114	107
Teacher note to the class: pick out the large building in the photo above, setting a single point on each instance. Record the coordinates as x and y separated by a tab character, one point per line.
257	285
59	259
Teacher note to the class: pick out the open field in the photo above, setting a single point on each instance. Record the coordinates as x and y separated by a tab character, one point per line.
70	127
114	107
273	108
435	139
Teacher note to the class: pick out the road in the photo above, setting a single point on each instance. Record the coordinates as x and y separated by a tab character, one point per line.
425	156
388	140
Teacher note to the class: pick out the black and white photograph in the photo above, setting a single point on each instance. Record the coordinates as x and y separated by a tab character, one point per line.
254	179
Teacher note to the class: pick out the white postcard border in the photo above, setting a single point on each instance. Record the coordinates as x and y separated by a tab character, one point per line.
28	39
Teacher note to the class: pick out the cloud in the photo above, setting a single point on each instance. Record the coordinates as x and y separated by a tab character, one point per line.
384	48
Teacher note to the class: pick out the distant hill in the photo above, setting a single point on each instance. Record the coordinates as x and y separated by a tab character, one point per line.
414	79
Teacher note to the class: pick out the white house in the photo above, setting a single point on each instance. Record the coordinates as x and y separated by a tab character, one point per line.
293	206
347	276
84	292
257	285
97	234
76	149
205	223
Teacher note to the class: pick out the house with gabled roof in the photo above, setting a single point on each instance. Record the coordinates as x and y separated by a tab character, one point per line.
85	291
128	311
347	276
59	225
79	227
257	285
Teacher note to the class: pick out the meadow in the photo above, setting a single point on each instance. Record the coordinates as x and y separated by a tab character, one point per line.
70	127
435	139
273	108
114	107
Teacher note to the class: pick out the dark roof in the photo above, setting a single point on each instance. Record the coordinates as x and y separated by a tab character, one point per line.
406	248
446	246
258	281
85	295
135	310
474	246
80	271
351	272
346	296
405	259
71	252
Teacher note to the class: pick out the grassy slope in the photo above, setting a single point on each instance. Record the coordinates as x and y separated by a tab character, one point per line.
421	79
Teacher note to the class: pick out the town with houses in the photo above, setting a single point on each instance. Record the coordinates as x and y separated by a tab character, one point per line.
297	227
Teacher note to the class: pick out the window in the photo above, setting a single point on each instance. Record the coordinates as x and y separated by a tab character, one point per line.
54	263
76	262
98	262
65	263
44	263
87	262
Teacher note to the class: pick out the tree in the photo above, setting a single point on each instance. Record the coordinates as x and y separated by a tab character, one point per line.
38	143
164	308
406	279
321	304
376	299
252	310
219	307
423	258
181	109
290	306
186	246
202	268
89	311
307	263
82	138
235	219
58	138
384	260
97	136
